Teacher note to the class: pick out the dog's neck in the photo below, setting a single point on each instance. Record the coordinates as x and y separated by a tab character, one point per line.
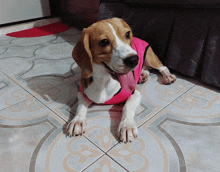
103	87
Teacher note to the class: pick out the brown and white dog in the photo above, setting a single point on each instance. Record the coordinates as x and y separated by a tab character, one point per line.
103	50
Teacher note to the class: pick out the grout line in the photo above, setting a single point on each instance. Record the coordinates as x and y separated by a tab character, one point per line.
93	162
105	153
94	143
156	113
116	162
34	96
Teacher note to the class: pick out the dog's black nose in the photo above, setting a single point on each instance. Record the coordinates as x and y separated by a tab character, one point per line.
131	61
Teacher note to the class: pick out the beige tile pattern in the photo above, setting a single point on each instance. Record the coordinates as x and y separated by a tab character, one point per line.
178	124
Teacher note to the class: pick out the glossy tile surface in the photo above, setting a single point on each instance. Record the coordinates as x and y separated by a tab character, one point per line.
178	124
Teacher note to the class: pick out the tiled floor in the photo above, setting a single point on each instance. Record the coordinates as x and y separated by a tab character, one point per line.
179	124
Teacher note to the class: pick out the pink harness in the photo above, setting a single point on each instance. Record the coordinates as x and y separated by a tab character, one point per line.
139	46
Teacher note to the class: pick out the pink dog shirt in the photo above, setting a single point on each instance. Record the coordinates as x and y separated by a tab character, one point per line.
140	47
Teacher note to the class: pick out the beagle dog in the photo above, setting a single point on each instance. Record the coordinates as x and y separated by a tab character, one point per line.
112	62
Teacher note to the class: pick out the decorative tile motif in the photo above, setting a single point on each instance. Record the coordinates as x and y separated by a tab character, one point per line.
188	127
160	94
19	144
43	67
146	153
68	154
2	50
105	164
101	130
191	106
33	41
5	40
10	92
197	157
206	92
20	51
56	51
24	128
14	65
61	99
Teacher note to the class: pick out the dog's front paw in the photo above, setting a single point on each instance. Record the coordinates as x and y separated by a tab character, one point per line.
143	76
169	79
76	127
127	130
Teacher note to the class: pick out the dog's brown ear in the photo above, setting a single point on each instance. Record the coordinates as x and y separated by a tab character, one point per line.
83	57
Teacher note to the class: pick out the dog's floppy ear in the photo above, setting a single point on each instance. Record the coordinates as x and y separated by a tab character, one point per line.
83	57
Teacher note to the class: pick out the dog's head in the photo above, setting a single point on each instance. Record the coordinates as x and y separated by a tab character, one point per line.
109	43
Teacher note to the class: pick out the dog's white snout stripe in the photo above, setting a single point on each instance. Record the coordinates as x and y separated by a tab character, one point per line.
122	50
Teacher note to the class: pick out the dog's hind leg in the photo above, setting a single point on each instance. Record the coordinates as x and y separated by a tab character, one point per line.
153	61
127	129
77	125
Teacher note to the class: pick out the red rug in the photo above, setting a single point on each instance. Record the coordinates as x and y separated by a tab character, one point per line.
40	31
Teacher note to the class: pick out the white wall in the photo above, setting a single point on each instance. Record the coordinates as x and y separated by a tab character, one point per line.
18	10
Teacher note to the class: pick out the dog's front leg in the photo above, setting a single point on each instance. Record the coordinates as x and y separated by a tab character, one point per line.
77	125
127	129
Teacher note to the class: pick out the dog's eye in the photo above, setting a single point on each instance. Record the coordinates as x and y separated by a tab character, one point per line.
104	42
127	35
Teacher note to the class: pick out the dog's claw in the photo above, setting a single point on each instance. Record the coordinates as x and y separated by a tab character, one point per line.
143	77
169	79
76	128
127	131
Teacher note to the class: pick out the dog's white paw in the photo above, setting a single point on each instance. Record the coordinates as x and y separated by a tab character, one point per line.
127	130
169	79
143	76
76	127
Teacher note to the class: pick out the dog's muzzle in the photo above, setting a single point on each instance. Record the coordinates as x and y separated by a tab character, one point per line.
131	61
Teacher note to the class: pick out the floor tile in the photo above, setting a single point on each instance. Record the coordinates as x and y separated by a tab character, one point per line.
189	131
32	139
182	137
206	92
32	41
67	154
25	127
102	127
72	35
62	99
39	75
10	92
38	64
60	50
146	153
102	120
191	106
190	144
13	66
156	96
105	164
20	51
23	112
5	40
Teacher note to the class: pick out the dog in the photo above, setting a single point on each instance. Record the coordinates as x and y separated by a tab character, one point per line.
112	62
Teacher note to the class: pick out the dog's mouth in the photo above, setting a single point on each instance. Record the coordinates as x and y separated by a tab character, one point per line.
126	80
108	68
